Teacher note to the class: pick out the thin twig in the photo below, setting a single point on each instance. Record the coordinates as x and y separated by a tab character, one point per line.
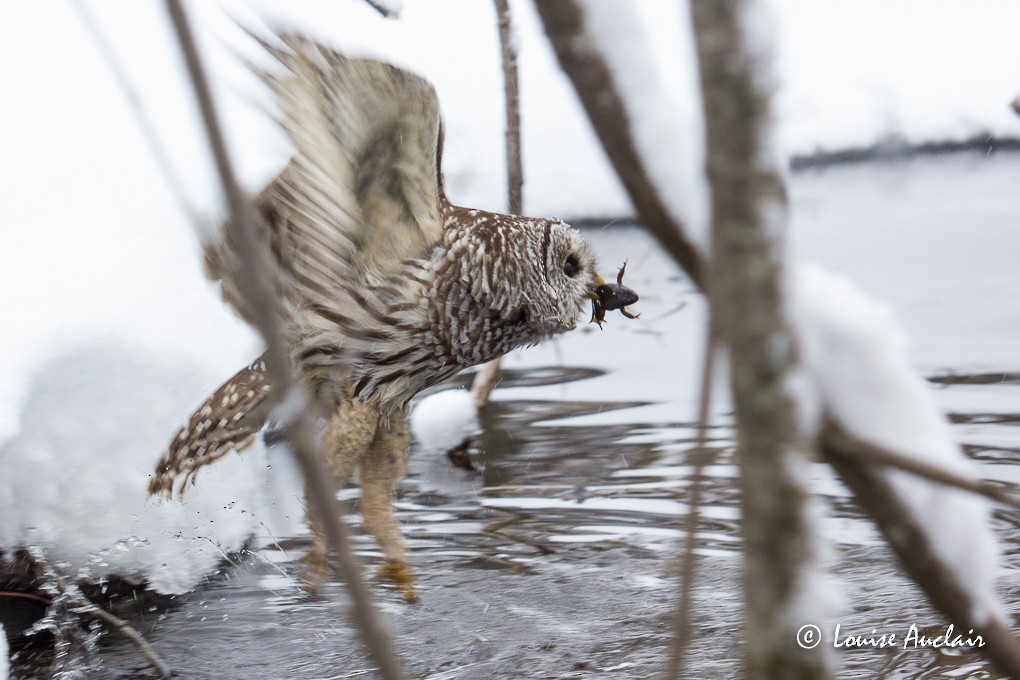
683	630
87	607
134	99
257	286
839	442
488	375
514	165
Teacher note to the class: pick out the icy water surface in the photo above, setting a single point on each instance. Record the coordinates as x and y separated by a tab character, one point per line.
556	559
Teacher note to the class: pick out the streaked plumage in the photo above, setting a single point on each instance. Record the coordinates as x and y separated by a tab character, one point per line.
388	287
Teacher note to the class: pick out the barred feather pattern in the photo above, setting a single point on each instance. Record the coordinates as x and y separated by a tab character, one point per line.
388	288
229	420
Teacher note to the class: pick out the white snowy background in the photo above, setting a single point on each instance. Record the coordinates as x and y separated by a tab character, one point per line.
111	334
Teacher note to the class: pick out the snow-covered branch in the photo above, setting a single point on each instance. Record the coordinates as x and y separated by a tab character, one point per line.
745	291
839	442
856	377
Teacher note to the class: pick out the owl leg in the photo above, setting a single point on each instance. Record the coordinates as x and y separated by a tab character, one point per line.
382	468
349	434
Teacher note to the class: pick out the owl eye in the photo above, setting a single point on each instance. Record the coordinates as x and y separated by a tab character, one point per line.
571	266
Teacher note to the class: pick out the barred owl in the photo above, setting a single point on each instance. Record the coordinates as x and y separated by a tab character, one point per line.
388	288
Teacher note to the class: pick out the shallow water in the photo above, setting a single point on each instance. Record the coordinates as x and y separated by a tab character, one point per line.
556	559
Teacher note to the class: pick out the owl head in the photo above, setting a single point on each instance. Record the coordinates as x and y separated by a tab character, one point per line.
503	281
543	278
567	279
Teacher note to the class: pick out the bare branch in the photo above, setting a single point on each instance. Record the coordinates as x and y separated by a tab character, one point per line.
90	609
384	8
683	629
485	381
514	169
253	279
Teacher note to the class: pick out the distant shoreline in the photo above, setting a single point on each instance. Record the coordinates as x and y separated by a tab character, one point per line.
887	149
898	148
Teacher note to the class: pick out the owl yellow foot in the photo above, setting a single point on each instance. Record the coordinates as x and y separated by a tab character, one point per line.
313	572
402	575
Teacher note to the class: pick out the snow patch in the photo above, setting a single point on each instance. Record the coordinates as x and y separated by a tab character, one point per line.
73	480
3	654
443	420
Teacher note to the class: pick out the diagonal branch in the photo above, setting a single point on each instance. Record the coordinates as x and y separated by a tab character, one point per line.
593	82
257	286
839	443
878	499
146	126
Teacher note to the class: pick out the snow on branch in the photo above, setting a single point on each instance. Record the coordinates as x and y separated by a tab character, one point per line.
855	355
632	116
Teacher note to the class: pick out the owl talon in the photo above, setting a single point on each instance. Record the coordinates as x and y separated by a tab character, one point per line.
402	576
314	572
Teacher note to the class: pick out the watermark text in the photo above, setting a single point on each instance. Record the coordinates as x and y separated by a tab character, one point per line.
810	636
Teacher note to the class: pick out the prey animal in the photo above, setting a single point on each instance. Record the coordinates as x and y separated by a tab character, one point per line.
388	288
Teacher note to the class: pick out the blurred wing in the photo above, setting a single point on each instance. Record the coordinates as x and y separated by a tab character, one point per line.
361	194
228	421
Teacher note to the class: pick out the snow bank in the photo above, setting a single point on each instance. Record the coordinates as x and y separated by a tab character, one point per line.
73	480
855	357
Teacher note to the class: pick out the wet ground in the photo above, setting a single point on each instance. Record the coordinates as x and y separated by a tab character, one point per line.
557	558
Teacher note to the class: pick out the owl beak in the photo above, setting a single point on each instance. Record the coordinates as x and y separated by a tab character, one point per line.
592	289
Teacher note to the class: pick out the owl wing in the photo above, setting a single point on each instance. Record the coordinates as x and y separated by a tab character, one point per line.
361	195
359	200
229	420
